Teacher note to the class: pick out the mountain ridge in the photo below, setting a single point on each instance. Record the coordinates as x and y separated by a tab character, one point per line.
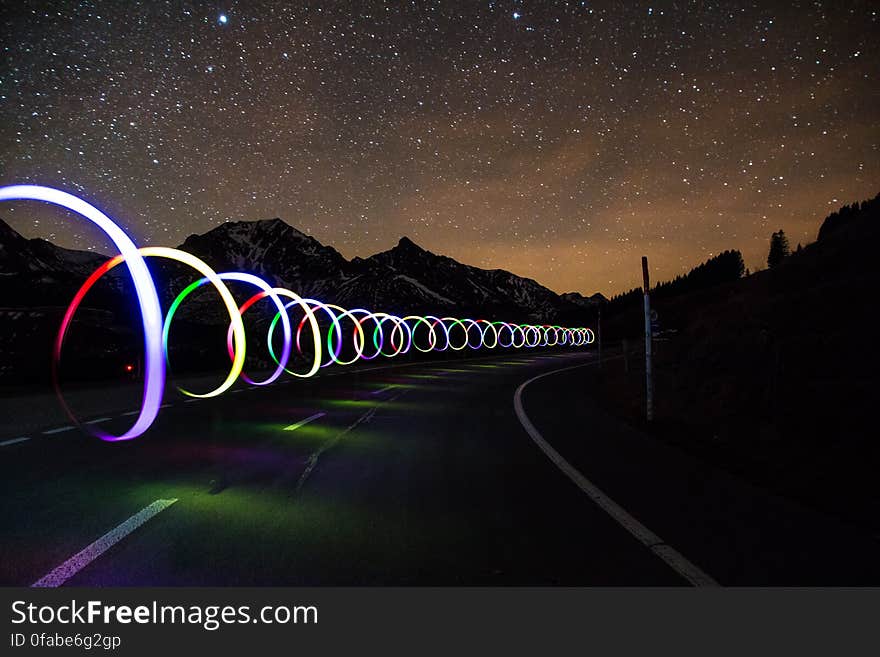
406	278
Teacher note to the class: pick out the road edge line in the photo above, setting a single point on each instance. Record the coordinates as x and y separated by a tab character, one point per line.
672	557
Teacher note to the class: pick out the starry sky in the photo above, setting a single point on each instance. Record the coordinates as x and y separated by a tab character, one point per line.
559	140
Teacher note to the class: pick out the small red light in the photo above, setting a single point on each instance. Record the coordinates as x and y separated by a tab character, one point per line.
129	368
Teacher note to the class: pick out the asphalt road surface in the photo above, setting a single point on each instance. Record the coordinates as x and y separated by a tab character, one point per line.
425	474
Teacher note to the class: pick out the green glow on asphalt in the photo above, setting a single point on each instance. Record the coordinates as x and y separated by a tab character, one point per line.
312	435
350	403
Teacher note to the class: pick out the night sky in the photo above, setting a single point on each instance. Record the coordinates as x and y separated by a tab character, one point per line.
561	141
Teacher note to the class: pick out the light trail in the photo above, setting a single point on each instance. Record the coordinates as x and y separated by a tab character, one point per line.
325	334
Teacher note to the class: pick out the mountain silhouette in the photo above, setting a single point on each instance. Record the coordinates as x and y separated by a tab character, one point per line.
402	280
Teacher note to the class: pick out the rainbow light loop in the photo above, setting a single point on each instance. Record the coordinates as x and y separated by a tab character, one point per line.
326	334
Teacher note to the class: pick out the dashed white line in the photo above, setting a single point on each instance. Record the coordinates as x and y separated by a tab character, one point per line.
166	405
97	420
654	543
87	555
366	417
385	389
190	401
49	432
302	423
14	441
130	413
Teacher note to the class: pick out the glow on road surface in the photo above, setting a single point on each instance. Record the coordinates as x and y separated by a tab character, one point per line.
325	334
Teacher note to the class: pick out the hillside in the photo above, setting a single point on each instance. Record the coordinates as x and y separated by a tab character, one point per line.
774	374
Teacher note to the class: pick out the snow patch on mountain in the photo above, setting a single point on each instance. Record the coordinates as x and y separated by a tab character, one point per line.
424	289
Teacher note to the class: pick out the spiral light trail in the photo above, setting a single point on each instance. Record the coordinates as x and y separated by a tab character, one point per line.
325	334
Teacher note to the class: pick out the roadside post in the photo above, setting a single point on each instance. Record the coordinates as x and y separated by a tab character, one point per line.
649	378
599	335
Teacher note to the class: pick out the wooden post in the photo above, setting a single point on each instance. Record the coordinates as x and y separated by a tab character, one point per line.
649	378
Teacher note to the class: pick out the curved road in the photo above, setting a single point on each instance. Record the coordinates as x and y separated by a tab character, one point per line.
492	470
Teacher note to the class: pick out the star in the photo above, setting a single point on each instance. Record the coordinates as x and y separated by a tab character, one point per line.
588	134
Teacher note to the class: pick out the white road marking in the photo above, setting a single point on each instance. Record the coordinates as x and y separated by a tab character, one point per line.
14	441
190	401
58	430
672	557
166	405
302	423
87	555
98	420
366	417
130	413
385	389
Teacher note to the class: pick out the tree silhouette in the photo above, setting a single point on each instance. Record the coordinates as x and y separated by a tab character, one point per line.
778	249
726	267
850	214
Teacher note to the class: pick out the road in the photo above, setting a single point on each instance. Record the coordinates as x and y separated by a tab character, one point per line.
402	475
